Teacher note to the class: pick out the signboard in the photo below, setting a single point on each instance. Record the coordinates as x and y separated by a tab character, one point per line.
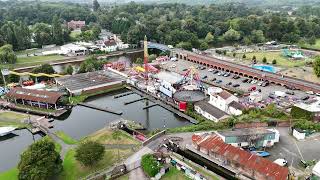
5	72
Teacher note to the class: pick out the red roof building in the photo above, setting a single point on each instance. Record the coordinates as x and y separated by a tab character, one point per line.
76	24
247	164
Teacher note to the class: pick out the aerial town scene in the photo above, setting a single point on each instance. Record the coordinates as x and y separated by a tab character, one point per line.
160	90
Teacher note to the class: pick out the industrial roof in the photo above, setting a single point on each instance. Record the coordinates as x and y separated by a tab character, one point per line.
264	166
224	94
34	95
236	105
245	132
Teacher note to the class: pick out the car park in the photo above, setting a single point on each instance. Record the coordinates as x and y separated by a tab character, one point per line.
245	80
215	71
253	88
219	73
236	77
317	94
219	81
210	70
227	74
249	81
265	83
213	79
205	77
203	68
173	66
290	92
253	81
260	83
184	69
310	92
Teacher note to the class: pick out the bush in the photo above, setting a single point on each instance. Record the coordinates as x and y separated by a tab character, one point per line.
89	153
234	54
244	56
264	60
150	165
299	113
274	61
254	58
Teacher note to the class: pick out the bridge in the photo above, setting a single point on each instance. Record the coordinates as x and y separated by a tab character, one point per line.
162	47
100	108
246	71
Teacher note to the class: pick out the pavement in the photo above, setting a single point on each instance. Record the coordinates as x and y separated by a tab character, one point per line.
137	174
182	64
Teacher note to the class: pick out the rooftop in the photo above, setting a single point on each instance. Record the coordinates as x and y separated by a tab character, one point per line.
34	95
83	81
224	94
236	105
170	77
215	112
245	132
264	166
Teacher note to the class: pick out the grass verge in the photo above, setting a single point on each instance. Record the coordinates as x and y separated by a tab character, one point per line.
11	174
174	174
13	119
66	138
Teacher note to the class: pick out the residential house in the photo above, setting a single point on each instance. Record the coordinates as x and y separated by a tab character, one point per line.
247	137
245	164
210	112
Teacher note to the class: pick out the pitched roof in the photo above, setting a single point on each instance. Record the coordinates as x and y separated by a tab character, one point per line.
251	161
215	112
34	95
236	105
224	94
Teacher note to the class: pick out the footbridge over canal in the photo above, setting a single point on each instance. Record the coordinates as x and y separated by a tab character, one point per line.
246	71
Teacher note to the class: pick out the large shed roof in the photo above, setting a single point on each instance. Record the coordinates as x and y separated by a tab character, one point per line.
34	95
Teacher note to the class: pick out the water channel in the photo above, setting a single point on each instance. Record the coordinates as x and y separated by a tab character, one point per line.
82	121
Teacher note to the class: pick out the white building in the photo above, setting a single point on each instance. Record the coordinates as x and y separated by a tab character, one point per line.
167	80
73	50
225	101
210	112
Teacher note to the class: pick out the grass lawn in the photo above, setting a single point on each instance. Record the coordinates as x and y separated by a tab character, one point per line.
66	138
72	169
108	136
11	174
12	119
174	174
281	61
314	46
38	59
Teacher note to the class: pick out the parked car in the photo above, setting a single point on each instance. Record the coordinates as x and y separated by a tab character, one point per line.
249	81
205	77
265	83
281	162
173	66
245	80
215	71
229	83
290	92
310	92
219	81
219	73
253	88
261	153
272	96
317	94
213	79
236	77
254	81
203	68
236	85
184	69
260	83
227	74
305	98
210	70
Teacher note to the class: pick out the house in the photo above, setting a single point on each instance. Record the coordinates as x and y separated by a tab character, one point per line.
110	46
210	112
226	102
243	163
248	137
76	24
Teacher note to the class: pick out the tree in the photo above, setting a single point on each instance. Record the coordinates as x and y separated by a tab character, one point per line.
185	45
257	36
40	161
152	57
150	165
209	38
274	61
264	60
244	56
254	58
204	46
42	34
90	64
44	68
231	35
57	33
316	66
234	54
95	5
89	153
7	55
69	70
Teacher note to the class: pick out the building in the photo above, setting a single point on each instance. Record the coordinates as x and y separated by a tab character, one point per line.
226	102
73	50
90	82
109	46
167	82
249	137
243	163
73	25
36	98
210	112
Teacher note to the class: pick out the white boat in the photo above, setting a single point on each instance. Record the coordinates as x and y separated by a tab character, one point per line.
6	130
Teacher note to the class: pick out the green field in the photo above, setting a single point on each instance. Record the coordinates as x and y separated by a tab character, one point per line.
314	46
66	138
37	59
12	119
281	61
174	174
11	174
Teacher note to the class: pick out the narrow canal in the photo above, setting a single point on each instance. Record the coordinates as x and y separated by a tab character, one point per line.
82	121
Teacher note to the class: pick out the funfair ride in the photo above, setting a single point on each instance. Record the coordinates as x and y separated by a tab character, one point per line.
191	80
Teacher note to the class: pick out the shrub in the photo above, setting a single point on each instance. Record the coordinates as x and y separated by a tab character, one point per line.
274	61
254	58
89	153
234	54
264	60
150	165
244	56
299	113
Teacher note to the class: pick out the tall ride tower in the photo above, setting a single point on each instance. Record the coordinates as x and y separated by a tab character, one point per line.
146	57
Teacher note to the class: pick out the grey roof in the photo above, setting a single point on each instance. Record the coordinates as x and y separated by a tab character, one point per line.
237	105
215	112
245	132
